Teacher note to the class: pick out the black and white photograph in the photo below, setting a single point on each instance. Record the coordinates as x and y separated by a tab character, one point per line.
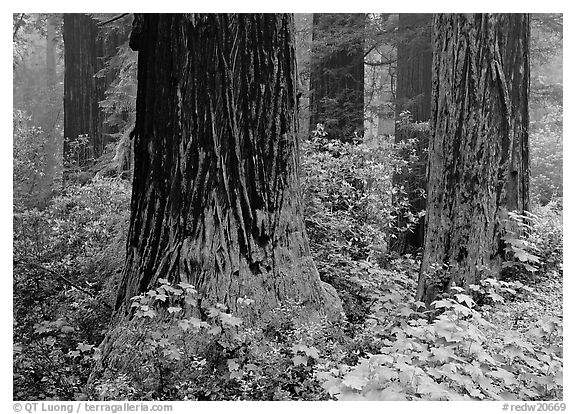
304	207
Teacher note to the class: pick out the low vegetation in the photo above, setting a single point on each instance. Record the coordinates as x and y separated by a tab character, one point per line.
502	340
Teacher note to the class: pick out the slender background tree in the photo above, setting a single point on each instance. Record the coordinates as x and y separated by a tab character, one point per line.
86	52
414	66
80	107
413	94
337	74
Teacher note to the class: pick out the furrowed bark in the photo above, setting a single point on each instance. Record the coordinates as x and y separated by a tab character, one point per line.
216	199
478	157
80	103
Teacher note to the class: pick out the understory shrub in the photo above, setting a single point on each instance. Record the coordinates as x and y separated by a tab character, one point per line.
457	355
410	159
68	255
347	194
66	259
29	162
171	350
534	244
546	157
352	209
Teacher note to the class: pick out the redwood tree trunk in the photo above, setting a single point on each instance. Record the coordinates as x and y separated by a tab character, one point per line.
216	198
51	51
413	93
53	148
81	115
478	161
337	74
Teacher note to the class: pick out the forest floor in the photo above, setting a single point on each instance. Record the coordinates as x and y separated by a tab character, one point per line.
505	344
544	300
502	340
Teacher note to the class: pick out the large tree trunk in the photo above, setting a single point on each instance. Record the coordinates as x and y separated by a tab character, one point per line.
81	115
478	161
216	199
337	74
413	93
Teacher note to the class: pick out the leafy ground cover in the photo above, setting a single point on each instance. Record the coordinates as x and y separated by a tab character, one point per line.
500	340
510	347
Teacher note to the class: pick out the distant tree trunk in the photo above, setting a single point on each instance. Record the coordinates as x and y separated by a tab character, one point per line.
216	199
413	93
107	44
337	74
414	66
478	161
51	51
52	171
81	115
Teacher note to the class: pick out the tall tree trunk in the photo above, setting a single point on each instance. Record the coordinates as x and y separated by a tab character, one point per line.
81	115
216	199
53	148
414	66
478	161
337	74
413	93
51	51
107	45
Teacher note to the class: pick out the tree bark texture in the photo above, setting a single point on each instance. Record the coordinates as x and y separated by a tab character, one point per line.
478	160
413	93
337	74
81	115
303	35
216	200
